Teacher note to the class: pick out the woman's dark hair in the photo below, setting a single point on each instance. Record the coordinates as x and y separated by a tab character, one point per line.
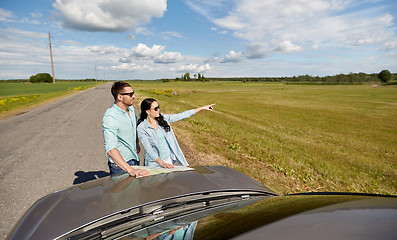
145	105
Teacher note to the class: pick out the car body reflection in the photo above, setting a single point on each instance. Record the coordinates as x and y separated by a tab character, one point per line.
207	202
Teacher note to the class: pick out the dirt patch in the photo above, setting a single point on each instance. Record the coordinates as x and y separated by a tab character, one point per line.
196	157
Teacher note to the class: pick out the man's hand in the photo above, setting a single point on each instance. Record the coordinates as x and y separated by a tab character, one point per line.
138	173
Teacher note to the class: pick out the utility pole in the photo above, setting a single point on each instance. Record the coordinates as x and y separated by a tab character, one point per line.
96	76
52	62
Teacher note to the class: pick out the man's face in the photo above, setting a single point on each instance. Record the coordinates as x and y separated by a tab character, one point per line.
127	96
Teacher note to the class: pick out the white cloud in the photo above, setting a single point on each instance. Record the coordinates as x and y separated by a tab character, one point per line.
212	59
196	68
105	50
288	47
144	52
391	44
234	57
131	67
141	52
36	15
70	42
223	32
6	16
168	35
30	34
169	57
108	15
144	31
257	50
294	26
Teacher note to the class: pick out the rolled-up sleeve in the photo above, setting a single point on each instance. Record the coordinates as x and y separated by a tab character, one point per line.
109	128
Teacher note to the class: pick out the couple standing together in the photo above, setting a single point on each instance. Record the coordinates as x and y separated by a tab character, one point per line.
121	131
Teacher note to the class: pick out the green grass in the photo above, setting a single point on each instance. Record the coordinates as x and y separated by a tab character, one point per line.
12	89
18	96
293	138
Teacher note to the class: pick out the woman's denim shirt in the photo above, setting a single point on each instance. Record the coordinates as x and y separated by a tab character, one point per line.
148	137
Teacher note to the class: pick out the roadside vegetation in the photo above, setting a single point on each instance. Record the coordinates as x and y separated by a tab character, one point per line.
17	96
291	138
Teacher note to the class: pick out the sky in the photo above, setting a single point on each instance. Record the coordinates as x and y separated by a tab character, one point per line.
155	39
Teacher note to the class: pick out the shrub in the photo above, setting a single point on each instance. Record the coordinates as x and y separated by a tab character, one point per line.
384	76
41	77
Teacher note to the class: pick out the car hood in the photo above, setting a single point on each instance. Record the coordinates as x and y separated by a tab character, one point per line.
109	200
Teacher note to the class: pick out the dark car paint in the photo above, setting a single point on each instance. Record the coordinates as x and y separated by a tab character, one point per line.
211	202
104	200
323	216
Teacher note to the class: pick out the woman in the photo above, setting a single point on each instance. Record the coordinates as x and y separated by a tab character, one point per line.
157	137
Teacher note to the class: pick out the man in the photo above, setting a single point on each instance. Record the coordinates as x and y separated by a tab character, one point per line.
119	132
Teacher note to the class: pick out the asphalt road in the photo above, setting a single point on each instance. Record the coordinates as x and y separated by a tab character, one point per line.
50	148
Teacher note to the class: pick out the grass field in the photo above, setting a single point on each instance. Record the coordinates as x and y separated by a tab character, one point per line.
291	138
18	96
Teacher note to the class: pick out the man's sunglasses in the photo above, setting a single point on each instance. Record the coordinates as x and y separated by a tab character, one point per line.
128	93
156	108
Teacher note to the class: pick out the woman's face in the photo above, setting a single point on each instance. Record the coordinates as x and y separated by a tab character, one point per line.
154	110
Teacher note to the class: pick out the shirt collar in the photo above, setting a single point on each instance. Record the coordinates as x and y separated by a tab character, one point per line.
130	109
147	125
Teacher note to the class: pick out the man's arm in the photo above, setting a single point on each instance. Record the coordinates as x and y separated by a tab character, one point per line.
118	159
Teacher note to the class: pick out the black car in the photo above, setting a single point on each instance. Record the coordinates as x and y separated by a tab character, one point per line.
205	202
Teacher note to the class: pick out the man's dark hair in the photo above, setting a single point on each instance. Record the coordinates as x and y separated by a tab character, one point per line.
118	87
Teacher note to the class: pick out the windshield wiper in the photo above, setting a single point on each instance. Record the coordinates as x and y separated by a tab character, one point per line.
132	220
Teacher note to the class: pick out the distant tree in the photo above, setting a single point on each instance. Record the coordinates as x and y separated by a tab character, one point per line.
186	77
384	76
41	77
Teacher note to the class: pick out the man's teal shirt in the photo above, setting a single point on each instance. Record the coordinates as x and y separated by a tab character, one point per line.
119	131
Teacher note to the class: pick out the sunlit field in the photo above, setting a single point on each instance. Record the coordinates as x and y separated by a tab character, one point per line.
291	138
19	96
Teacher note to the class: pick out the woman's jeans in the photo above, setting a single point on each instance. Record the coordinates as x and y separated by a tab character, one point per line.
115	170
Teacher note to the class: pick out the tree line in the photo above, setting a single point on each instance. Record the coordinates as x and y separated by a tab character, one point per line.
352	78
384	77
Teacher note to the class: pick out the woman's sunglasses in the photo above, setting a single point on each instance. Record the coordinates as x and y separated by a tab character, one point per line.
156	108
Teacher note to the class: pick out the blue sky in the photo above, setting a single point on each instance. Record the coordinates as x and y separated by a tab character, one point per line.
153	39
